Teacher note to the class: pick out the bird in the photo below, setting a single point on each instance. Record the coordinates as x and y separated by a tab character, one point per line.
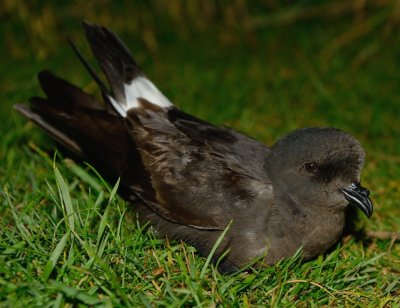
196	182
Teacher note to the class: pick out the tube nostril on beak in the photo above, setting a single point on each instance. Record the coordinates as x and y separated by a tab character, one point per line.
366	192
361	190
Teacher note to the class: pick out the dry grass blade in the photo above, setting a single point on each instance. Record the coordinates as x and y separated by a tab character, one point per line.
296	13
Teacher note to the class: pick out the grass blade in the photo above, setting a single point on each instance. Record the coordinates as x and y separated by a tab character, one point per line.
76	294
55	255
65	199
216	245
104	219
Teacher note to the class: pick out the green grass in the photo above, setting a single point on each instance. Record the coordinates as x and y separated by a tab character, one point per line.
67	239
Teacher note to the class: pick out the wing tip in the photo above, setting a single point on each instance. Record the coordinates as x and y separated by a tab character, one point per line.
23	109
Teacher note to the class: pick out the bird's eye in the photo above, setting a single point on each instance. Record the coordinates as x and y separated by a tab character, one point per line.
311	168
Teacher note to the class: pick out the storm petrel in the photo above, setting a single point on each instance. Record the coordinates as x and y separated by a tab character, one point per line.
191	179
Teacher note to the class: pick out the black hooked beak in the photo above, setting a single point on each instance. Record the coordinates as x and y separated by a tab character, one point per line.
358	195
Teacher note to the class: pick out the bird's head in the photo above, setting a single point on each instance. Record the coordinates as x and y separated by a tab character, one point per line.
319	166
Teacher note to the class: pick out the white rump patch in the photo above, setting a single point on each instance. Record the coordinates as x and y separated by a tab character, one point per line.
140	87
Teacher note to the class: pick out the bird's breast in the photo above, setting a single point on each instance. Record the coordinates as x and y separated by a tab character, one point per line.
322	233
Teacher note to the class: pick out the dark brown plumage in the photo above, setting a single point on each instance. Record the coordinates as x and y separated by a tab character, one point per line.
192	178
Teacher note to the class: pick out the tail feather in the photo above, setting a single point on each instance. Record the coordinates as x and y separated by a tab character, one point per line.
124	75
114	58
113	55
104	91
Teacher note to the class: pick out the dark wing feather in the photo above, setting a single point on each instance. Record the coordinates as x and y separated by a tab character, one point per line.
250	153
55	132
195	182
82	124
